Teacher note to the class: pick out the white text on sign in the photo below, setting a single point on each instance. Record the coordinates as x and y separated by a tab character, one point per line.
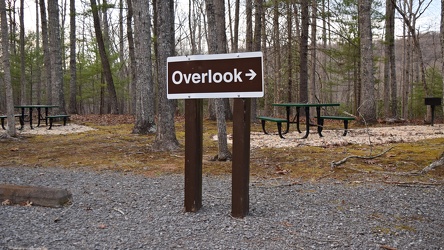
209	77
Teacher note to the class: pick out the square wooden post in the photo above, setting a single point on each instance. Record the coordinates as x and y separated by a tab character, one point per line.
241	157
193	154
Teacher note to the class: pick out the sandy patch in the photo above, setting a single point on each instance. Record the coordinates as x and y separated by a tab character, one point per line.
374	135
56	129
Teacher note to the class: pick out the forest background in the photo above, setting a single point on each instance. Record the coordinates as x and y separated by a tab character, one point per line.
379	59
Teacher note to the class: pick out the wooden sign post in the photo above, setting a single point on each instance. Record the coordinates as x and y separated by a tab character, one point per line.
193	78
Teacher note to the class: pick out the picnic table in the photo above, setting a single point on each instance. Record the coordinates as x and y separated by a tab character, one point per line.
306	107
298	106
39	108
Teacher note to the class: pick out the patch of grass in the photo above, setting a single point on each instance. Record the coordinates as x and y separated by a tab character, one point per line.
114	147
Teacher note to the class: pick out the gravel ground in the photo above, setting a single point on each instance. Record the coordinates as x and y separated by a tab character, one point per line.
124	211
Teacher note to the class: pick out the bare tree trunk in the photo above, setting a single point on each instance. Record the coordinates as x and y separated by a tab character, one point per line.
256	47
277	53
368	104
303	79
38	74
58	96
268	94
123	71
72	59
412	31
289	53
314	16
104	58
192	25
390	90
46	54
236	28
166	133
23	97
442	47
217	44
145	109
7	70
132	56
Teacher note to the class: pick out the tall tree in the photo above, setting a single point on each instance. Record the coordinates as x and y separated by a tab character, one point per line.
422	6
390	88
46	55
38	74
303	74
166	132
23	96
72	59
368	104
106	67
258	9
145	109
277	52
55	43
132	55
442	47
7	70
313	52
217	43
290	52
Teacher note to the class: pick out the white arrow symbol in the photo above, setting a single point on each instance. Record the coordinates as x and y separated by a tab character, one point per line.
252	74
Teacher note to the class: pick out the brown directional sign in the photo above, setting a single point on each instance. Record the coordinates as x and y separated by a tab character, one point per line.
215	76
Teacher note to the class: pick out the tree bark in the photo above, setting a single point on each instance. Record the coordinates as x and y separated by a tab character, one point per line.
7	70
58	97
145	109
166	133
313	97
23	87
217	43
368	104
46	54
303	74
72	59
106	67
442	47
132	55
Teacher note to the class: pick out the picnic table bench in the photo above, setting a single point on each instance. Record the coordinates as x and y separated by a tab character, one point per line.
21	119
278	121
51	119
346	119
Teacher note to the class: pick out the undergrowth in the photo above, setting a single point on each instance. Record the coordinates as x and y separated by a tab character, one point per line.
114	147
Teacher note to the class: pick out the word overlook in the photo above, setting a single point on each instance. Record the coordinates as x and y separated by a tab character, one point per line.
209	77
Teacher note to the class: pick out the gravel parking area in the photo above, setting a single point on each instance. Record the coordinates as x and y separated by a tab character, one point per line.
124	211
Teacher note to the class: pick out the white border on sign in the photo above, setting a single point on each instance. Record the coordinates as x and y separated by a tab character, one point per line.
216	94
214	56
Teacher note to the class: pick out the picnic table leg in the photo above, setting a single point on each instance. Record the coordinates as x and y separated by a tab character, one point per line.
263	127
320	126
288	120
30	117
345	127
279	125
298	109
307	122
22	122
39	114
50	123
22	118
320	122
46	115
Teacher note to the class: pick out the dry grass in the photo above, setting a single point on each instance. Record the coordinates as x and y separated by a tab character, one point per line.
113	147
